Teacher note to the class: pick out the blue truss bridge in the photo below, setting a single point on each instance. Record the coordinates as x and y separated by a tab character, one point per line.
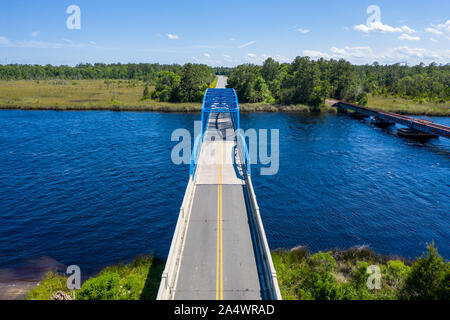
219	250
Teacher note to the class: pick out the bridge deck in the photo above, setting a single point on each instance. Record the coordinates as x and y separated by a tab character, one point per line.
218	260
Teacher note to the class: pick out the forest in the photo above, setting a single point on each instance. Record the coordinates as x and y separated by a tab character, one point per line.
304	81
310	82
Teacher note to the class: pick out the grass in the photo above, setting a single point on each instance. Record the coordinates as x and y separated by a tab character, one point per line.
409	107
138	280
83	95
124	95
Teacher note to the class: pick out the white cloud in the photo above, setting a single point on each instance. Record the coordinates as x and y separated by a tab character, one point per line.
433	31
445	27
173	36
35	34
362	55
408	37
440	29
316	54
247	44
408	30
377	27
4	41
260	58
207	55
232	39
434	40
300	30
383	28
227	57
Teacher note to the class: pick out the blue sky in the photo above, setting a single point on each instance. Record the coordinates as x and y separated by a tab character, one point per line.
223	32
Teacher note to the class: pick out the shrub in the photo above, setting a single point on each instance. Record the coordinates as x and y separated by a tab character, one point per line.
103	287
429	277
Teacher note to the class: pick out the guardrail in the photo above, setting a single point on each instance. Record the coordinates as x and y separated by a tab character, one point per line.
170	273
268	273
195	155
243	152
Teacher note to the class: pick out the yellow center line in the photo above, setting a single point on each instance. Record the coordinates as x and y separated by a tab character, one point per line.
219	268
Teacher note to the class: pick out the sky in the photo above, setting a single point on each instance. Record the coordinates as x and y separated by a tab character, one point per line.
223	33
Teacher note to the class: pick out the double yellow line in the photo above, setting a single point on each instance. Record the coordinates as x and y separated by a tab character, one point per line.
219	270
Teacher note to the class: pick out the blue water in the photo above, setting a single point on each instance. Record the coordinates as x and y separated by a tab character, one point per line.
98	188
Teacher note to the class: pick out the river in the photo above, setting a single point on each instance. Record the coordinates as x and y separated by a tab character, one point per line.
98	188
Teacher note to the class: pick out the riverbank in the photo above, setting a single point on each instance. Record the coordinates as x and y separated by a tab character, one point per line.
126	95
302	275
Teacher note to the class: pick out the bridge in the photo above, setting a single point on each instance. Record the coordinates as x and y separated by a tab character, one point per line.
388	118
219	249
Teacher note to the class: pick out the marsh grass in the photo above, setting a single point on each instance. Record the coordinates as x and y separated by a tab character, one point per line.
126	95
409	107
113	95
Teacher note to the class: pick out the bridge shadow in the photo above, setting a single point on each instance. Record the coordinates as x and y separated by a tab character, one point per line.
150	291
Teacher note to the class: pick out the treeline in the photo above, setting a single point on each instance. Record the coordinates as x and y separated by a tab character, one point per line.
430	82
306	81
143	71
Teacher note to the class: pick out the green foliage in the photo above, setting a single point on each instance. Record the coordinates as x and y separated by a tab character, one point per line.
167	87
305	81
142	71
188	85
428	278
104	287
51	283
214	83
260	91
146	93
343	275
138	280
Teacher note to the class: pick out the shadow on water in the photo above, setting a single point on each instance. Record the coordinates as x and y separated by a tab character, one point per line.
428	144
153	280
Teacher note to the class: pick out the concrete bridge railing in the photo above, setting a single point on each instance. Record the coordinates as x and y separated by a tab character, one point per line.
169	276
268	270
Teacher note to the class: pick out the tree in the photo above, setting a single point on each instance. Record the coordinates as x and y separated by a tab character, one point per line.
429	278
146	93
270	70
260	91
167	87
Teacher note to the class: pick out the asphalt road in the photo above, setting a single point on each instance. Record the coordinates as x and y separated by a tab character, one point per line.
218	260
221	82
